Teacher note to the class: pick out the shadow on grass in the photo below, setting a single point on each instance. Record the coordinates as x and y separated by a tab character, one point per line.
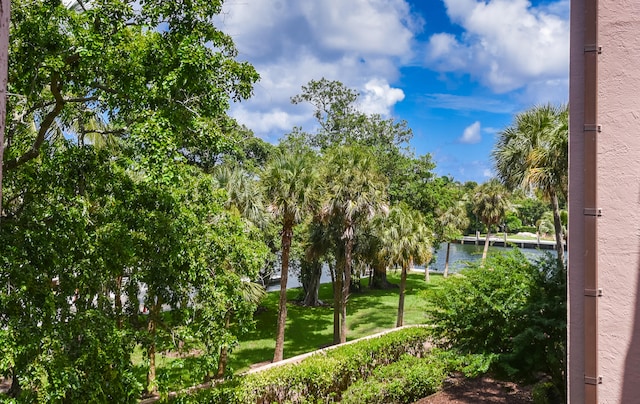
251	356
308	329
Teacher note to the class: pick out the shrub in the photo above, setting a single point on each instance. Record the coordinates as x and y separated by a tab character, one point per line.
404	381
412	378
511	308
512	223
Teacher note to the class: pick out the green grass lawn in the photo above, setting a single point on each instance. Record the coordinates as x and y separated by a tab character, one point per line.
311	328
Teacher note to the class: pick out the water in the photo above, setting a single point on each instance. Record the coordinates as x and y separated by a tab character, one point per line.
459	256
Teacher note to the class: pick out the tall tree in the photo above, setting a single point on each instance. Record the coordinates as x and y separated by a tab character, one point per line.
532	152
342	123
490	204
355	192
406	243
451	223
86	232
289	181
334	109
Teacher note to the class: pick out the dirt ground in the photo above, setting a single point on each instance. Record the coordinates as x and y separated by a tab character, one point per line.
480	390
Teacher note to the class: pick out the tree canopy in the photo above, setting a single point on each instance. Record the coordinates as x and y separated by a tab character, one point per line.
159	71
101	241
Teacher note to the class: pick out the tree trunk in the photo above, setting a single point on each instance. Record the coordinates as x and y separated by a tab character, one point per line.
446	260
287	234
426	271
151	374
379	278
152	325
403	284
312	284
337	299
15	389
224	353
486	244
557	224
345	287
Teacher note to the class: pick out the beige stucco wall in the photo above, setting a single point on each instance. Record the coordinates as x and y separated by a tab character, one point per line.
618	179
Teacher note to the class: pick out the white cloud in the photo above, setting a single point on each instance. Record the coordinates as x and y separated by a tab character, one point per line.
507	44
359	42
267	122
362	26
446	53
471	134
379	97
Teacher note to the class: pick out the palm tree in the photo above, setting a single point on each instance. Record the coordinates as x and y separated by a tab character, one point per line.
355	193
533	153
243	193
289	181
451	224
490	204
406	242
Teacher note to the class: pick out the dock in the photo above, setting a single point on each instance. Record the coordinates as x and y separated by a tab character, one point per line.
509	242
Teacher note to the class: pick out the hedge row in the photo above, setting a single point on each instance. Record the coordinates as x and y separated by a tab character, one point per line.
321	378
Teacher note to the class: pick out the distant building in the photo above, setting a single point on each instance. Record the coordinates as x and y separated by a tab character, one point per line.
604	203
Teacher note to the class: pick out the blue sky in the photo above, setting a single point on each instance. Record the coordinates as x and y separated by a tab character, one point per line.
456	70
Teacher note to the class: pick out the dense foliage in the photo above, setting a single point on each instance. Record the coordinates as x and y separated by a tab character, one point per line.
112	236
159	71
88	248
509	307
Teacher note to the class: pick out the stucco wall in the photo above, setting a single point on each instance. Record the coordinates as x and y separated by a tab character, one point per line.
619	192
618	184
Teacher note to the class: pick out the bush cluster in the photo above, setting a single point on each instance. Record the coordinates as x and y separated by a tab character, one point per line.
412	378
510	308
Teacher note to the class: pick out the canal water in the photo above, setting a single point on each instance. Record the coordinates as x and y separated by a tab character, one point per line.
459	256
